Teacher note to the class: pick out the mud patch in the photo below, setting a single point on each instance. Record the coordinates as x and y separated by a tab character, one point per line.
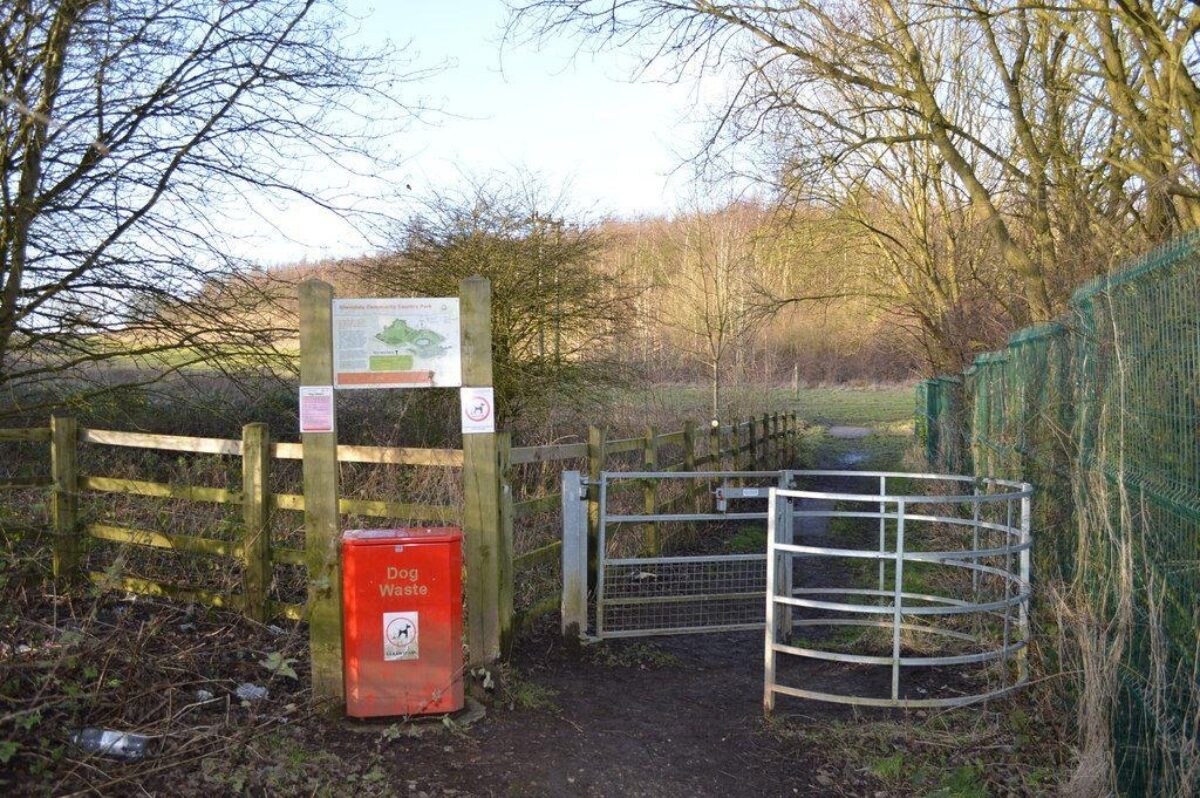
850	459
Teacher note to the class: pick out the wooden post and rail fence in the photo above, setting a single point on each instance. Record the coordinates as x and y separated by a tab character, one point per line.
489	511
489	576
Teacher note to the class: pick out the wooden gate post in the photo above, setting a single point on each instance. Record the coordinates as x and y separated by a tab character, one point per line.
503	466
650	492
481	482
322	547
68	544
256	519
596	456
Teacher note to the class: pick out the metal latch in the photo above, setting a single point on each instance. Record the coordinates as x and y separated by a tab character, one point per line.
727	492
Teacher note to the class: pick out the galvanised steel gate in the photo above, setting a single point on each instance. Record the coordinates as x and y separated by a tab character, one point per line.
640	593
952	595
945	590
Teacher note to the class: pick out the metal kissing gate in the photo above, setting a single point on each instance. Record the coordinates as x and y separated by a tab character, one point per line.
936	599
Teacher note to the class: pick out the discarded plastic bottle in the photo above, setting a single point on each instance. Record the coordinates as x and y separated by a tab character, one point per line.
251	692
115	744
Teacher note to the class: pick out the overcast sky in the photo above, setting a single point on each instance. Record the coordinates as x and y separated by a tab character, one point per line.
575	119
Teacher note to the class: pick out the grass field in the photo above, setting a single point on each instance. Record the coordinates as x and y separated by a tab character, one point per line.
669	405
886	409
889	404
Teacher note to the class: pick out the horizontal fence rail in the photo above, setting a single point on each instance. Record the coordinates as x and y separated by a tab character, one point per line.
250	550
252	505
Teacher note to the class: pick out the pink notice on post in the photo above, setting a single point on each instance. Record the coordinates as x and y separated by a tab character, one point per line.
316	408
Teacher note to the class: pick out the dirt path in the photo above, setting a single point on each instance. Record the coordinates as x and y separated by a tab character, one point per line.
679	716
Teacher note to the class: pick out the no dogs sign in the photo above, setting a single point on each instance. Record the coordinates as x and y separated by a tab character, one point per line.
478	410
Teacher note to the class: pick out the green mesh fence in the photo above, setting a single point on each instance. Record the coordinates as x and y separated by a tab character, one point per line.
1100	410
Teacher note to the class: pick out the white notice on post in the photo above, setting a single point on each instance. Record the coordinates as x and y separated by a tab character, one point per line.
478	410
396	343
316	408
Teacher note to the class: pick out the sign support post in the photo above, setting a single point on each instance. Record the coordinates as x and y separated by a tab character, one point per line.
399	343
321	534
481	481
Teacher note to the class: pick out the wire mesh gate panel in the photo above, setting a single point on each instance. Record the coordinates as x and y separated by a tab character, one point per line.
953	594
699	586
704	592
664	595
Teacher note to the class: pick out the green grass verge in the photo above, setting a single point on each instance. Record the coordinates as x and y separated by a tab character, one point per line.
868	406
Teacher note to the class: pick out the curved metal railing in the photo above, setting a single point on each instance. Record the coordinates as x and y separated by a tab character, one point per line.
953	568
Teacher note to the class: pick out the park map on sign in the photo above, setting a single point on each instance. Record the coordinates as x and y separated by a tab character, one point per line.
396	343
420	342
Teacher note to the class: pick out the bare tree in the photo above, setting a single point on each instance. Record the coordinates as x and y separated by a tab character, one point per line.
707	267
1067	131
134	136
555	316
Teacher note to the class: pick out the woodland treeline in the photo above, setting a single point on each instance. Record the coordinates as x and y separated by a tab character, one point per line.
986	156
925	177
690	298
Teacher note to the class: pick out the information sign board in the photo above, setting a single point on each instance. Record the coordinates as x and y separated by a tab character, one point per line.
396	343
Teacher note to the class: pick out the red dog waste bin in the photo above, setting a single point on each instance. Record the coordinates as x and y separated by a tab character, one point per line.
402	605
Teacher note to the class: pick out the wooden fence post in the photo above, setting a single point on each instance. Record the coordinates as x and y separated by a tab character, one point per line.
736	445
596	455
795	453
774	440
64	468
481	484
796	437
256	519
689	445
689	459
734	433
789	438
752	457
322	544
781	435
768	442
714	447
650	492
503	466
